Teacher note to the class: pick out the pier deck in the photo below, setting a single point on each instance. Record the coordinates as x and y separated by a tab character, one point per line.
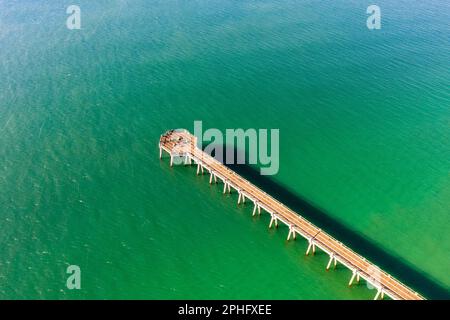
182	144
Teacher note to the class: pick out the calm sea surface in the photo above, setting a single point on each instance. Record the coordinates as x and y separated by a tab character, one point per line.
364	119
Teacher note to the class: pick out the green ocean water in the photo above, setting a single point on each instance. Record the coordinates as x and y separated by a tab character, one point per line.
364	120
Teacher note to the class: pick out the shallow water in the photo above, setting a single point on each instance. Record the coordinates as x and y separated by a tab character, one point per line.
364	123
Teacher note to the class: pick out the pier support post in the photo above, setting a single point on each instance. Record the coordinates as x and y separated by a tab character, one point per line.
254	209
160	152
186	160
211	174
239	198
229	188
273	220
309	246
198	168
224	187
215	179
357	277
259	210
330	261
171	160
380	294
376	296
312	246
352	278
291	233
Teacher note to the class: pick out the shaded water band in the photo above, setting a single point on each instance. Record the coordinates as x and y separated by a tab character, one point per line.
406	273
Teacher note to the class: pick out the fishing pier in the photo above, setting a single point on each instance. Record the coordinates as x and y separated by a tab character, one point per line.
180	144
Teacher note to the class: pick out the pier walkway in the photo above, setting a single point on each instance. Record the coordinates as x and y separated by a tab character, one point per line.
180	144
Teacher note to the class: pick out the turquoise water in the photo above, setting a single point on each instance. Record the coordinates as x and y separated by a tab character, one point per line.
364	123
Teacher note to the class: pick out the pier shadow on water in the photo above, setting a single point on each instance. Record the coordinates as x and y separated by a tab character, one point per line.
394	265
